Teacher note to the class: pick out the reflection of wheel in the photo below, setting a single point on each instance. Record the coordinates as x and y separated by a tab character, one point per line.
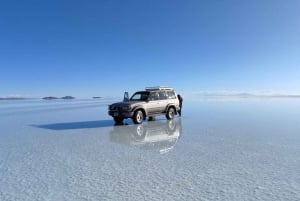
138	117
170	113
118	120
140	132
171	127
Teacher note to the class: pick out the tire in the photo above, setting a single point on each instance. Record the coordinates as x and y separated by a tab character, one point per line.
118	120
138	117
170	113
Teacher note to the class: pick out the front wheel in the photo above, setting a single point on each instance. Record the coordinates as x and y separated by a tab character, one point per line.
170	113
138	117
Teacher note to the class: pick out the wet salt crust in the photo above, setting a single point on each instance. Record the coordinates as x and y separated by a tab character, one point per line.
218	150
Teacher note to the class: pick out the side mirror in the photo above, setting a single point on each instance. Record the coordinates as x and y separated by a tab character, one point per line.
126	96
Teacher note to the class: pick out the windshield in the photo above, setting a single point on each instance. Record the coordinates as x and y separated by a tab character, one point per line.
140	96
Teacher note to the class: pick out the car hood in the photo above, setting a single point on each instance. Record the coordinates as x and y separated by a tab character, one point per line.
123	103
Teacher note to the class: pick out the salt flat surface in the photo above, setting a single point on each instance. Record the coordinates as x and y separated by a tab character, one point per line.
218	150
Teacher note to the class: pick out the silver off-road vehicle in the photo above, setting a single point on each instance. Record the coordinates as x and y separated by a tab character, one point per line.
151	102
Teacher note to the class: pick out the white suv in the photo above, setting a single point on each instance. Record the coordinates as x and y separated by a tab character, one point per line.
151	102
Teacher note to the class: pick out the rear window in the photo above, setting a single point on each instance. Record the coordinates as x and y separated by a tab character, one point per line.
171	95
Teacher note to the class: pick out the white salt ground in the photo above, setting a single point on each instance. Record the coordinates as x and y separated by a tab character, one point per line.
218	150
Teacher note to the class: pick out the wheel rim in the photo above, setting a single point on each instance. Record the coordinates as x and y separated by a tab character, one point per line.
171	112
139	117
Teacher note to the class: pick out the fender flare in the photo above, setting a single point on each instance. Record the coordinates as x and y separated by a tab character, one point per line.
138	107
170	105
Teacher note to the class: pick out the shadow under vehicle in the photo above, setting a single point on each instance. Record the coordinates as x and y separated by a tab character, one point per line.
154	135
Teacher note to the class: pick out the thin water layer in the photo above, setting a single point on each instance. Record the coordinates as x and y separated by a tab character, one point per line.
218	150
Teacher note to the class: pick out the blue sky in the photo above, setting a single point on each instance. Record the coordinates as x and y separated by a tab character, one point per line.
102	48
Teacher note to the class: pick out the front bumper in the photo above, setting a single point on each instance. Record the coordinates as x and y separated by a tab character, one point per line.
124	114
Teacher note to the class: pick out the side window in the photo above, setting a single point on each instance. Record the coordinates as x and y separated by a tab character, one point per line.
144	97
163	95
154	96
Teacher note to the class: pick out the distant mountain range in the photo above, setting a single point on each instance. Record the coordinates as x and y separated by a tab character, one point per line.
212	94
46	98
53	97
11	98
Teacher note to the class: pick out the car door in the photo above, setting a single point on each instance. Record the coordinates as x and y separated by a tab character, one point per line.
153	105
164	101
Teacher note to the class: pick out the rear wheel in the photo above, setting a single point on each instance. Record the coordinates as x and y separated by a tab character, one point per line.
138	117
170	113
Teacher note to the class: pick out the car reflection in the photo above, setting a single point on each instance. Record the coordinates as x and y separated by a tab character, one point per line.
155	135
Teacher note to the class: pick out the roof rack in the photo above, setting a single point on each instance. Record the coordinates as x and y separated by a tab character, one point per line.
158	88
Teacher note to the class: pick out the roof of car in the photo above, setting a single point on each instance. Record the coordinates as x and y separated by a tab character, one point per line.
142	92
158	88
